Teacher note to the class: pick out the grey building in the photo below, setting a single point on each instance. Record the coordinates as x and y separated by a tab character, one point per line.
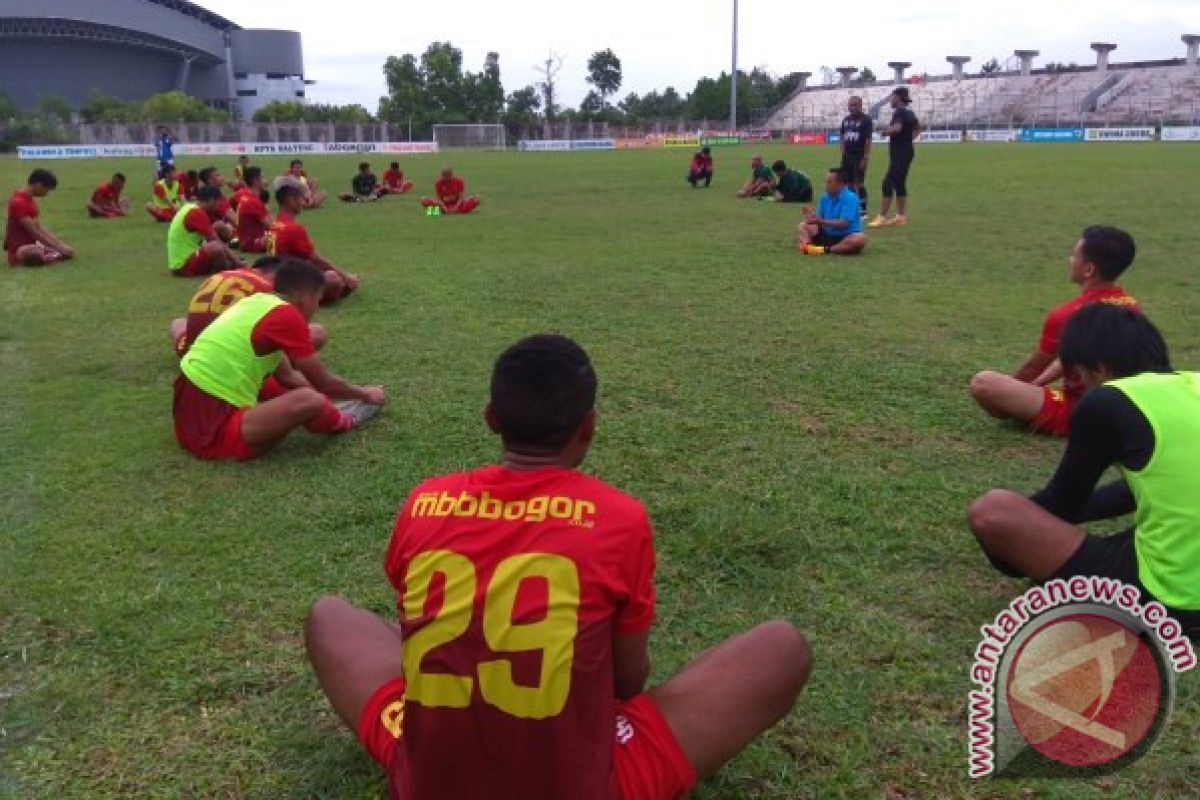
132	49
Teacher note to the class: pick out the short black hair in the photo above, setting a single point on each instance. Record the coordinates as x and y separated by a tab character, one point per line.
191	173
363	165
1110	249
206	173
270	263
395	165
264	196
295	275
706	150
118	176
1114	337
43	177
542	389
206	193
902	93
841	173
779	166
295	161
286	191
251	174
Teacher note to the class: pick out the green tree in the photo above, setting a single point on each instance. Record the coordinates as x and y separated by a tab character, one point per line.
280	111
989	66
101	107
441	65
179	107
867	75
406	100
484	94
54	108
604	72
8	109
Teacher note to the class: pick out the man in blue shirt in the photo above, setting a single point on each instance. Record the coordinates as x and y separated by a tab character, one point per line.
164	152
837	227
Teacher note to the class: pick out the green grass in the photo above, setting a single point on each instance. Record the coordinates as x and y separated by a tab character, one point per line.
799	430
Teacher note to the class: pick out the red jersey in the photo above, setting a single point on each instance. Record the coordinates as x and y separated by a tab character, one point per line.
393	178
701	163
198	221
286	237
187	189
251	215
511	585
106	195
449	190
21	206
218	293
222	210
1057	319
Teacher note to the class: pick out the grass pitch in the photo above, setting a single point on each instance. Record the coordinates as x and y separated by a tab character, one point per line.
799	429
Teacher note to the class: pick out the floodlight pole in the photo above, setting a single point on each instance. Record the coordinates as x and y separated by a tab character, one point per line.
733	76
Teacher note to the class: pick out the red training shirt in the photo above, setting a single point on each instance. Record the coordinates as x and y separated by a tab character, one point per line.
393	178
218	293
511	585
106	195
252	217
286	237
197	221
21	206
449	190
1058	318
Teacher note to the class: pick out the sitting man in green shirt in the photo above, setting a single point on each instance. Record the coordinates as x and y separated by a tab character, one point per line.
760	181
791	185
1142	418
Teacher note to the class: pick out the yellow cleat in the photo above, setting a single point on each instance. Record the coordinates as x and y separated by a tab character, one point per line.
878	222
898	220
814	250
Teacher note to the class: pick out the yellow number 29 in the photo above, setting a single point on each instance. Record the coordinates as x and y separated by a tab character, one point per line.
553	635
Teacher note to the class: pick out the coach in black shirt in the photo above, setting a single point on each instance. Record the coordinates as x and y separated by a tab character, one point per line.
903	129
857	130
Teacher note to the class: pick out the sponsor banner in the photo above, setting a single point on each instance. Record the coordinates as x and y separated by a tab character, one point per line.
223	149
1119	134
1050	135
807	138
720	140
543	145
593	144
408	147
57	151
1180	133
1006	135
879	138
756	136
285	148
681	141
834	137
933	137
626	144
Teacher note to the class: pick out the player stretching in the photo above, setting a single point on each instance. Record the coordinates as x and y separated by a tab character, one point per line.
253	216
106	201
287	237
761	179
26	242
193	246
1100	256
857	132
451	195
167	198
1143	419
903	128
393	180
526	595
253	375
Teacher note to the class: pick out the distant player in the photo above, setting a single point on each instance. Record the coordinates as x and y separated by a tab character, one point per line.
253	376
526	596
393	180
903	128
218	294
451	194
761	179
26	242
701	168
287	237
253	216
189	182
193	246
239	173
858	131
166	199
365	185
164	152
1099	258
791	185
106	201
313	196
836	228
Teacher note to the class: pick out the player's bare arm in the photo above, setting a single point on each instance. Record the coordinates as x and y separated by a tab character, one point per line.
330	385
631	663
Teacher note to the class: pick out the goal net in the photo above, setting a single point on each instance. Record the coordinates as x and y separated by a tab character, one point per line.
477	135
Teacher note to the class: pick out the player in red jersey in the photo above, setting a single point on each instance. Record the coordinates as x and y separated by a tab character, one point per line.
253	216
286	237
26	242
313	196
222	290
526	594
701	168
253	375
189	184
168	197
451	195
1099	258
106	201
239	173
224	218
393	180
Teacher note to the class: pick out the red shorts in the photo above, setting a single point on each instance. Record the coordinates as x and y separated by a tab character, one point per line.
1054	417
208	427
198	264
648	764
163	214
252	245
47	256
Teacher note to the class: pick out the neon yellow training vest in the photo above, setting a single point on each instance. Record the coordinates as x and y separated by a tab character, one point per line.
222	361
1167	489
181	242
172	194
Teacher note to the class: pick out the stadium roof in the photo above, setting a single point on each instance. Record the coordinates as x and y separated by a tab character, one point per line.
202	14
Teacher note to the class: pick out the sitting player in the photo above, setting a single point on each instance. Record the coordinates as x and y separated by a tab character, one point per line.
189	182
365	185
837	226
253	216
286	237
760	181
1141	418
791	185
167	198
1100	256
313	196
224	218
193	247
535	583
393	180
217	294
26	242
239	173
701	168
451	195
106	201
253	375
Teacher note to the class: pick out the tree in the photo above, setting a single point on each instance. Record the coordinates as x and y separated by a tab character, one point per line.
280	111
548	85
100	107
406	101
179	107
54	108
604	72
989	66
592	104
484	94
867	75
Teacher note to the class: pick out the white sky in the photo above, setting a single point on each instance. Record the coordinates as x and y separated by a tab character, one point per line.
674	43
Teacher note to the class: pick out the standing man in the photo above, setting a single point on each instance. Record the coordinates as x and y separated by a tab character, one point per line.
253	216
26	242
106	201
837	226
526	595
759	184
164	152
701	168
451	195
857	132
193	247
903	128
287	237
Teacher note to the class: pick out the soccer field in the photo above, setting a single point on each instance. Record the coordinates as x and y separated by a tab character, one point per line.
798	428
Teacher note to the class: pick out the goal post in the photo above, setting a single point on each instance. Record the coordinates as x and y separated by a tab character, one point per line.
481	136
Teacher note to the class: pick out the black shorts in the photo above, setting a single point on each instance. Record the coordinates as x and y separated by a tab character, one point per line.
1114	556
823	239
852	168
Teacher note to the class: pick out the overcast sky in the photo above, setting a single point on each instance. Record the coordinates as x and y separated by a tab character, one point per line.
669	43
